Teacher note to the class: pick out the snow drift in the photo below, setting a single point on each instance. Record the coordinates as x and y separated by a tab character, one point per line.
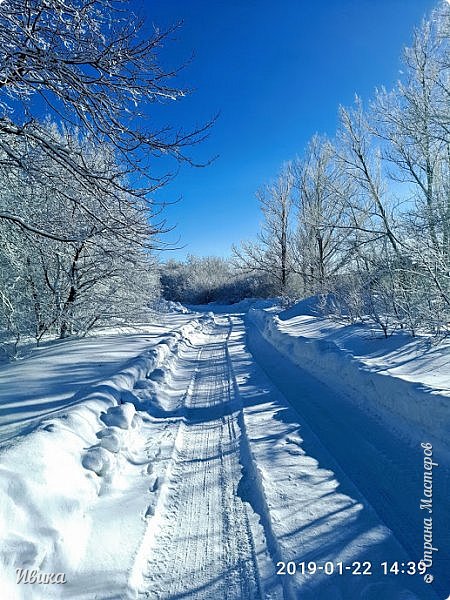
402	380
49	477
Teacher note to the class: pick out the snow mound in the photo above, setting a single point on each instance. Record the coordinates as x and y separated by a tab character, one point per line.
157	375
97	460
111	438
119	416
168	306
308	306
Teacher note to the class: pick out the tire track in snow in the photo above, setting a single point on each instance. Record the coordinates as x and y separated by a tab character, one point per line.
204	546
252	490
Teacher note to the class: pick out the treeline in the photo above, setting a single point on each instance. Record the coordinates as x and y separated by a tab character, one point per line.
364	218
201	280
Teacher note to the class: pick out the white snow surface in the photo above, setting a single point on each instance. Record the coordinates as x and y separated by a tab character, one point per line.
187	460
403	379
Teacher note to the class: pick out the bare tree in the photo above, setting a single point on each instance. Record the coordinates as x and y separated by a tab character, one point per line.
271	254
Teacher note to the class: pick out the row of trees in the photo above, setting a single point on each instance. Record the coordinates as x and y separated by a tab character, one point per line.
79	80
95	272
200	280
365	217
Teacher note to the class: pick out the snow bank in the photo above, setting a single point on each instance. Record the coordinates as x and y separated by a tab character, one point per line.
50	477
401	376
307	306
242	306
161	305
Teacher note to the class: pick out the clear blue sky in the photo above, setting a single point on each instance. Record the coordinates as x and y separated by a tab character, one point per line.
277	71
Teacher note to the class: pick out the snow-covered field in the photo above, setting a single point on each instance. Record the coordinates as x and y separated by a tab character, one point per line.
239	453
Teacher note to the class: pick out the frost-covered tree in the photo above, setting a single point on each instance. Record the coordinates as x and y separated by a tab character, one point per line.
200	280
101	270
271	254
413	121
321	244
78	82
94	65
371	205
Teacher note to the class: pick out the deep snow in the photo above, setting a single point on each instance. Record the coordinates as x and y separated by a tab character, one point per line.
183	468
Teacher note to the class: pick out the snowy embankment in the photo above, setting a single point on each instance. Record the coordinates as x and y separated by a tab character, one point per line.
51	477
361	396
57	374
401	380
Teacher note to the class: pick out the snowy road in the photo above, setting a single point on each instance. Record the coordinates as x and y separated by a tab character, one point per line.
232	510
205	546
205	478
